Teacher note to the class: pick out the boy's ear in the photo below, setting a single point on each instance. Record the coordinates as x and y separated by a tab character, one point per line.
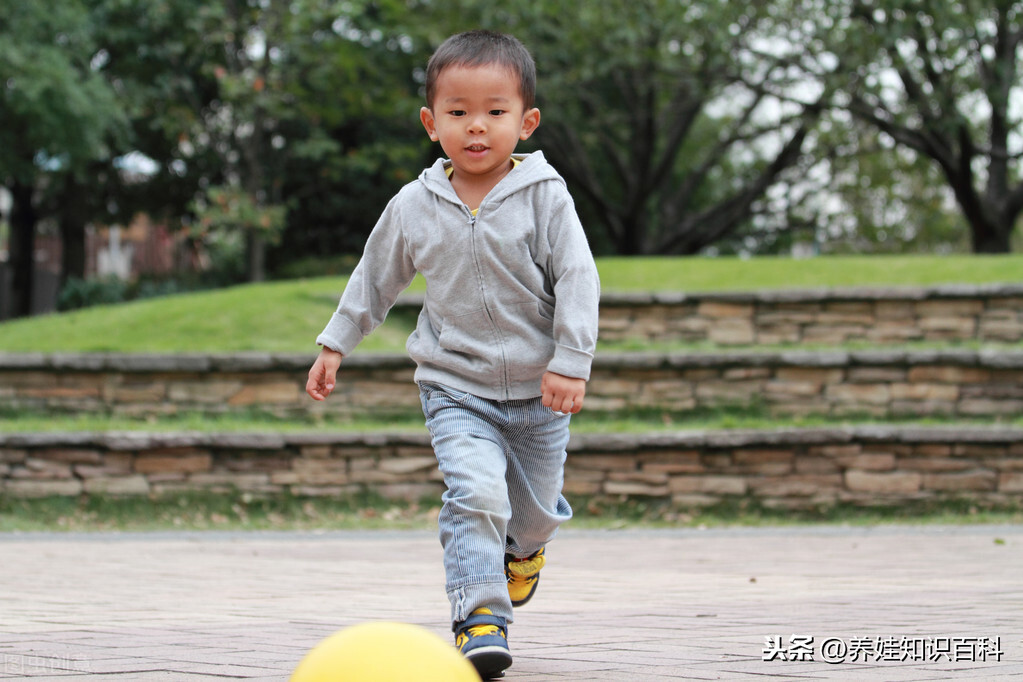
426	116
530	122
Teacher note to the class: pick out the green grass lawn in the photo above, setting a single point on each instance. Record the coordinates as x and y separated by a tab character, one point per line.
286	316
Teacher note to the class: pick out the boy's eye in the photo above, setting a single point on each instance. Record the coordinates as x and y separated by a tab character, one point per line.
496	112
457	112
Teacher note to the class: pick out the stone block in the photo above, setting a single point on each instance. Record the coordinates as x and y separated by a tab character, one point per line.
1010	482
794	316
948	374
588	475
410	492
604	462
934	464
835	451
574	486
275	393
714	393
116	485
325	490
808	464
809	375
950	308
948	327
1003	330
883	483
186	462
886	331
858	394
988	407
806	485
408	465
12	455
686	462
113	464
324	472
204	392
778	334
903	312
711	485
644	477
777	391
631	489
922	408
876	375
41	469
230	481
868	461
732	332
153	392
315	451
973	480
832	334
69	455
720	310
43	488
764	462
932	450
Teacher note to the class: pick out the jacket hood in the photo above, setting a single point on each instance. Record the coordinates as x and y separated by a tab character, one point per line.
533	168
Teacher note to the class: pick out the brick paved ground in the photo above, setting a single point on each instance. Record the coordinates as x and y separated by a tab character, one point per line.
623	606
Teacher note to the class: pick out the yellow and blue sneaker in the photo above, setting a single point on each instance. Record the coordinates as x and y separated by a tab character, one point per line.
523	575
483	639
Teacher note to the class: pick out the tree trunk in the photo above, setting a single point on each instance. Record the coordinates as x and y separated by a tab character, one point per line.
22	249
255	247
72	232
986	239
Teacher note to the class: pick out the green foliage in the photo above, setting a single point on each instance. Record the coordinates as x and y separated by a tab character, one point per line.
56	112
656	113
938	79
78	293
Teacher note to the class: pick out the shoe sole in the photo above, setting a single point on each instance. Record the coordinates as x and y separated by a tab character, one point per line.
490	661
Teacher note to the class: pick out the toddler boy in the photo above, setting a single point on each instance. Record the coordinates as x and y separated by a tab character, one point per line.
505	340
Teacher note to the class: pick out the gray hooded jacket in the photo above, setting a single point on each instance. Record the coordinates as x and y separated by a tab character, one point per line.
510	293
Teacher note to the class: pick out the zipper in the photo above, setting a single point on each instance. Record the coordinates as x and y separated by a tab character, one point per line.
486	304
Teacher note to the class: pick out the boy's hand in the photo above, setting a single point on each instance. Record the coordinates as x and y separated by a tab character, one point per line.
561	393
323	374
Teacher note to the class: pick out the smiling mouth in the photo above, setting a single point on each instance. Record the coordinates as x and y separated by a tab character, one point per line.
476	148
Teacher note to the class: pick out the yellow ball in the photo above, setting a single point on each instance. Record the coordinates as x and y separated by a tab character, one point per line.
384	652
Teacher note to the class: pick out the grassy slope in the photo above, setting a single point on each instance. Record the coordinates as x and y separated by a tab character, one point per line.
286	316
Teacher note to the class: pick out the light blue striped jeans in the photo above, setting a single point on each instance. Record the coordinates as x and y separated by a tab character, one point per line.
503	465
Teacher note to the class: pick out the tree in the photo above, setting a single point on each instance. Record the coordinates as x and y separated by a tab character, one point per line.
58	117
654	111
937	78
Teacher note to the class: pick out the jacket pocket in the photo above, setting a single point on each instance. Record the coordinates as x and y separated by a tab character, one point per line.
469	340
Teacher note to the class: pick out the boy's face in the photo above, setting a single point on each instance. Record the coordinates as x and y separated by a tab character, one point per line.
478	117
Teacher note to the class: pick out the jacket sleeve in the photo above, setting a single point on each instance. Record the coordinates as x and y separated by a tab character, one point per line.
576	291
383	272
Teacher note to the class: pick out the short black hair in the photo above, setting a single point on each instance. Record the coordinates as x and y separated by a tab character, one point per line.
480	48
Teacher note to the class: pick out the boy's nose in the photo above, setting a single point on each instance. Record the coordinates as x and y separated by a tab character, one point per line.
477	125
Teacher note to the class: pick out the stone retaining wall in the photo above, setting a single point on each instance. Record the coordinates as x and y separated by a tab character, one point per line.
879	383
791	467
989	313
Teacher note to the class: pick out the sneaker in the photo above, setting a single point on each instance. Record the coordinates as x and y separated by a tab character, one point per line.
523	575
483	639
